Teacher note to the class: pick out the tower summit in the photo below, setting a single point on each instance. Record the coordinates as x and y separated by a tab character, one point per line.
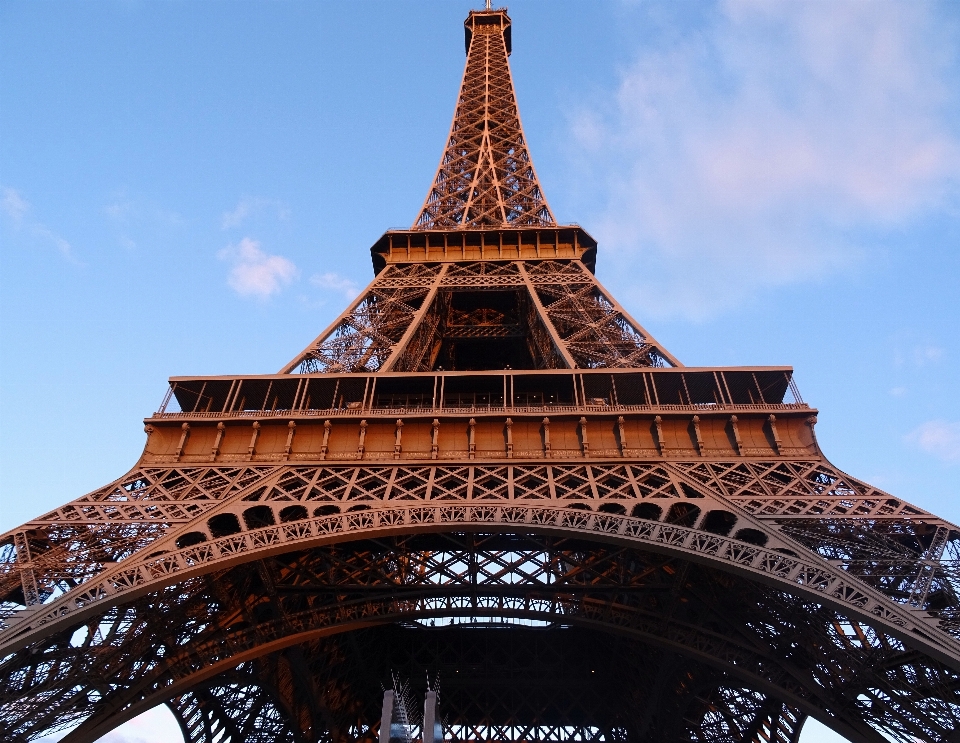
485	504
486	178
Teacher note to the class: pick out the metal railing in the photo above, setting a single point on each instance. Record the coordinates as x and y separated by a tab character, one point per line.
485	410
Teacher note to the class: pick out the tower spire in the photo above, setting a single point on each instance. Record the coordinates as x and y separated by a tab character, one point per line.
486	177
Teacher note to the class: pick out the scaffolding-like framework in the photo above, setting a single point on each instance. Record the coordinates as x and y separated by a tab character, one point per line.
484	472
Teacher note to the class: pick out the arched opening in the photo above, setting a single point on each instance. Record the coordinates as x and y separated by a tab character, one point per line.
752	536
415	576
293	513
683	514
258	517
719	522
223	525
190	538
616	508
327	510
649	511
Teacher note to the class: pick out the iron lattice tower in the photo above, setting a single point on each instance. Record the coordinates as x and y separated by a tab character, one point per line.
486	471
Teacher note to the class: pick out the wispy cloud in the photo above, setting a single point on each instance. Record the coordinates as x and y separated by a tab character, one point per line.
919	355
249	206
336	282
938	437
15	205
759	151
18	209
255	273
924	355
138	216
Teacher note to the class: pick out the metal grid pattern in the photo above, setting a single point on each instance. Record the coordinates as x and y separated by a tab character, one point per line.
719	599
486	177
862	677
396	324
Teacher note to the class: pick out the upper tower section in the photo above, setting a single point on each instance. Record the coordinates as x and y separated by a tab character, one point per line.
486	178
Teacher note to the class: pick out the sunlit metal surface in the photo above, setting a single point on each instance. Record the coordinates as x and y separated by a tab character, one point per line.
486	475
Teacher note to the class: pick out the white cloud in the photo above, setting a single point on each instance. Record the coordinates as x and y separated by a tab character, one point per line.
14	204
255	273
939	438
135	216
750	154
248	206
18	209
920	355
923	355
337	283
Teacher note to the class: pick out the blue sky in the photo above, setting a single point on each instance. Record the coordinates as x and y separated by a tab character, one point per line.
191	188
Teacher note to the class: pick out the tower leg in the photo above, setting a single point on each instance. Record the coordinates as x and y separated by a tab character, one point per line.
386	716
430	724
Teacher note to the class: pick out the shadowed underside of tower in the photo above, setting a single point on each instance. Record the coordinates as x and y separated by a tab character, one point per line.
484	497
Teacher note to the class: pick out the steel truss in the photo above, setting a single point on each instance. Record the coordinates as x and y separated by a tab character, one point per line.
398	321
806	655
486	176
868	615
694	569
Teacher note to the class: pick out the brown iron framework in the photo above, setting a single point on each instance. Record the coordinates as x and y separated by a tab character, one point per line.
486	177
485	472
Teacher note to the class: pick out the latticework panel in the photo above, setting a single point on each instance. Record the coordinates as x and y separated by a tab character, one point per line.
900	551
62	549
234	708
593	328
486	176
560	310
363	338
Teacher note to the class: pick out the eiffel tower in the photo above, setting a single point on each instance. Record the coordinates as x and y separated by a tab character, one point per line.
487	475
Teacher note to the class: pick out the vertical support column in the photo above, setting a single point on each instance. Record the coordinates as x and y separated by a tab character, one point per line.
697	435
471	439
363	437
661	444
435	439
736	434
253	440
776	436
292	427
216	443
183	440
432	730
327	425
509	426
396	442
386	716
